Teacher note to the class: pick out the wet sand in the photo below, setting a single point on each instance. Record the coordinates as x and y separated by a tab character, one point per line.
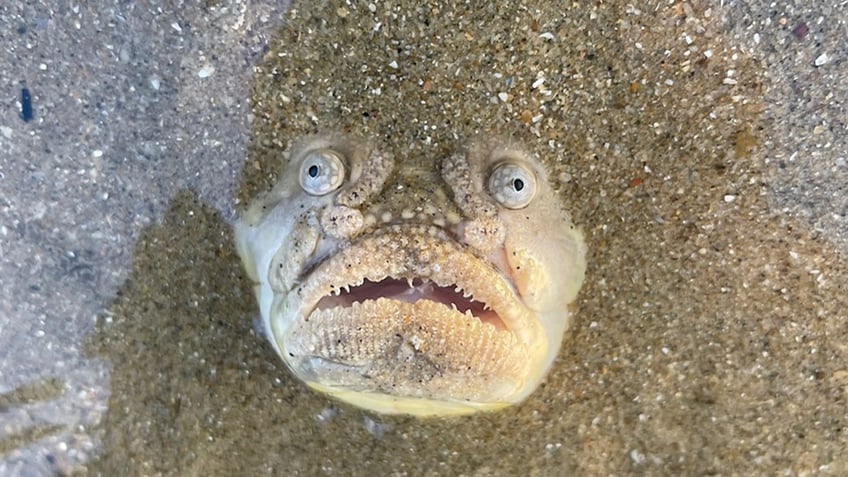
711	332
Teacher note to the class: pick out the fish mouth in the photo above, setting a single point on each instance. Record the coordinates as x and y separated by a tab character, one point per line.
412	290
410	319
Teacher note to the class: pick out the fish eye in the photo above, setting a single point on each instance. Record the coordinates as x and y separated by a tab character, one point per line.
321	172
512	185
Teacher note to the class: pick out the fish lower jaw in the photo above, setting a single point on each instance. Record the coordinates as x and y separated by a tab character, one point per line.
411	354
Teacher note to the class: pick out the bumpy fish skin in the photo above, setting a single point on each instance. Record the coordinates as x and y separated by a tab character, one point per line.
428	289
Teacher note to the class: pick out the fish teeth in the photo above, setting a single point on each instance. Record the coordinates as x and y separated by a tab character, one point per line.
409	281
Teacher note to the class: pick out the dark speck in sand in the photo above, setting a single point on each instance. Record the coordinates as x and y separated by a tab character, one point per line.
800	31
26	105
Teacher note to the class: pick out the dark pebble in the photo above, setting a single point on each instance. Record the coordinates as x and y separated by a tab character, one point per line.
26	105
800	31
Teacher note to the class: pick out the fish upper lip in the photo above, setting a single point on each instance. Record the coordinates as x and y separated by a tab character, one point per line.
413	251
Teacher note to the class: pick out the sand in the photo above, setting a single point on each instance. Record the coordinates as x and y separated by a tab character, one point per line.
699	147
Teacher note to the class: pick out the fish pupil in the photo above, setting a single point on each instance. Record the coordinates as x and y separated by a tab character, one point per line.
313	171
518	185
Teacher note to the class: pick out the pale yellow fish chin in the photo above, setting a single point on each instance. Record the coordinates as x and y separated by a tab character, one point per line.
418	407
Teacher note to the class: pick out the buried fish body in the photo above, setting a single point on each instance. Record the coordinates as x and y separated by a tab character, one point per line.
425	289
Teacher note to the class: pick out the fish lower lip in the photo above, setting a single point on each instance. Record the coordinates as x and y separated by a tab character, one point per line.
407	349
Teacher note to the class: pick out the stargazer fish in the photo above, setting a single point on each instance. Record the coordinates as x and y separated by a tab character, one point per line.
423	287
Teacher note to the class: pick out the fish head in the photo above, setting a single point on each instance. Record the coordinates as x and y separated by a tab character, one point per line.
412	284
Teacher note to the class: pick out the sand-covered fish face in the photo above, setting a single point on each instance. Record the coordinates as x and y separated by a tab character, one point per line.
423	287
